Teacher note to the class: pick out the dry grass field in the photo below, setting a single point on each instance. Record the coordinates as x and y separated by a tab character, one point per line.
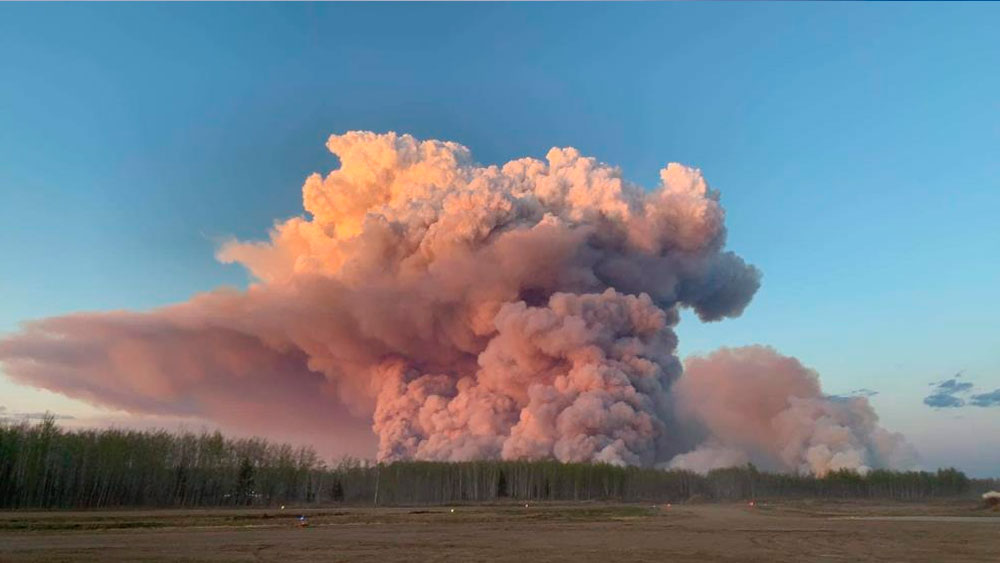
776	531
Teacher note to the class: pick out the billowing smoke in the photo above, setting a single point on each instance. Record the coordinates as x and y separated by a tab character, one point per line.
465	311
754	404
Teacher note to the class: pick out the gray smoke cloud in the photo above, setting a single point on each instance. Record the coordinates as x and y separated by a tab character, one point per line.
461	311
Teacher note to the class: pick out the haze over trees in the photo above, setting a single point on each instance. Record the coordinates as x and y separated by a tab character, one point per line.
45	466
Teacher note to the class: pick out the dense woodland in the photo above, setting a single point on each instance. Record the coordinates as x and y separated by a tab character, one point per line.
44	466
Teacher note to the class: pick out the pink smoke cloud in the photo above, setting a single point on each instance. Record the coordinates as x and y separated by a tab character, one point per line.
459	311
757	405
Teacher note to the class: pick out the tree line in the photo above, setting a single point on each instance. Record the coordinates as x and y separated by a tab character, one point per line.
45	466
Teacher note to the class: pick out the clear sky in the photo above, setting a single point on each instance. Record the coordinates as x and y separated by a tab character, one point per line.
856	146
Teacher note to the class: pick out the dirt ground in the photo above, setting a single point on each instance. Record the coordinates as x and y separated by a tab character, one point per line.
775	531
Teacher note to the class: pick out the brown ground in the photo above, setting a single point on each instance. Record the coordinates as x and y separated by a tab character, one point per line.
778	531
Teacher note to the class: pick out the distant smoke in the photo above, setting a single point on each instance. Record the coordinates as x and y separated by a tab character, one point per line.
522	311
756	405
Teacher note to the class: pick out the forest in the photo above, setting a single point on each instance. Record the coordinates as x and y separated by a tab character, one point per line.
45	466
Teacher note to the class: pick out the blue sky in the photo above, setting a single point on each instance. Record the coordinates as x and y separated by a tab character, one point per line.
855	145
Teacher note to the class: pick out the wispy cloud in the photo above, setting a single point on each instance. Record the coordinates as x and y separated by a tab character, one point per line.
862	392
9	415
991	399
954	386
943	400
952	393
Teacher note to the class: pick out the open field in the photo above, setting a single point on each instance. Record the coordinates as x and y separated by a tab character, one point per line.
785	531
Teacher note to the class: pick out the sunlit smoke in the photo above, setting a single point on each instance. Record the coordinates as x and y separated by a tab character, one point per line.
464	311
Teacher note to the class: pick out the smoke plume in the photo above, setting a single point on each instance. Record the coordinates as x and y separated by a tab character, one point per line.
754	404
464	311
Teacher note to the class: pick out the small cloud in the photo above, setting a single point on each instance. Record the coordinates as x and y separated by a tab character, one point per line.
863	392
953	385
41	415
991	399
12	416
958	375
947	393
943	401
